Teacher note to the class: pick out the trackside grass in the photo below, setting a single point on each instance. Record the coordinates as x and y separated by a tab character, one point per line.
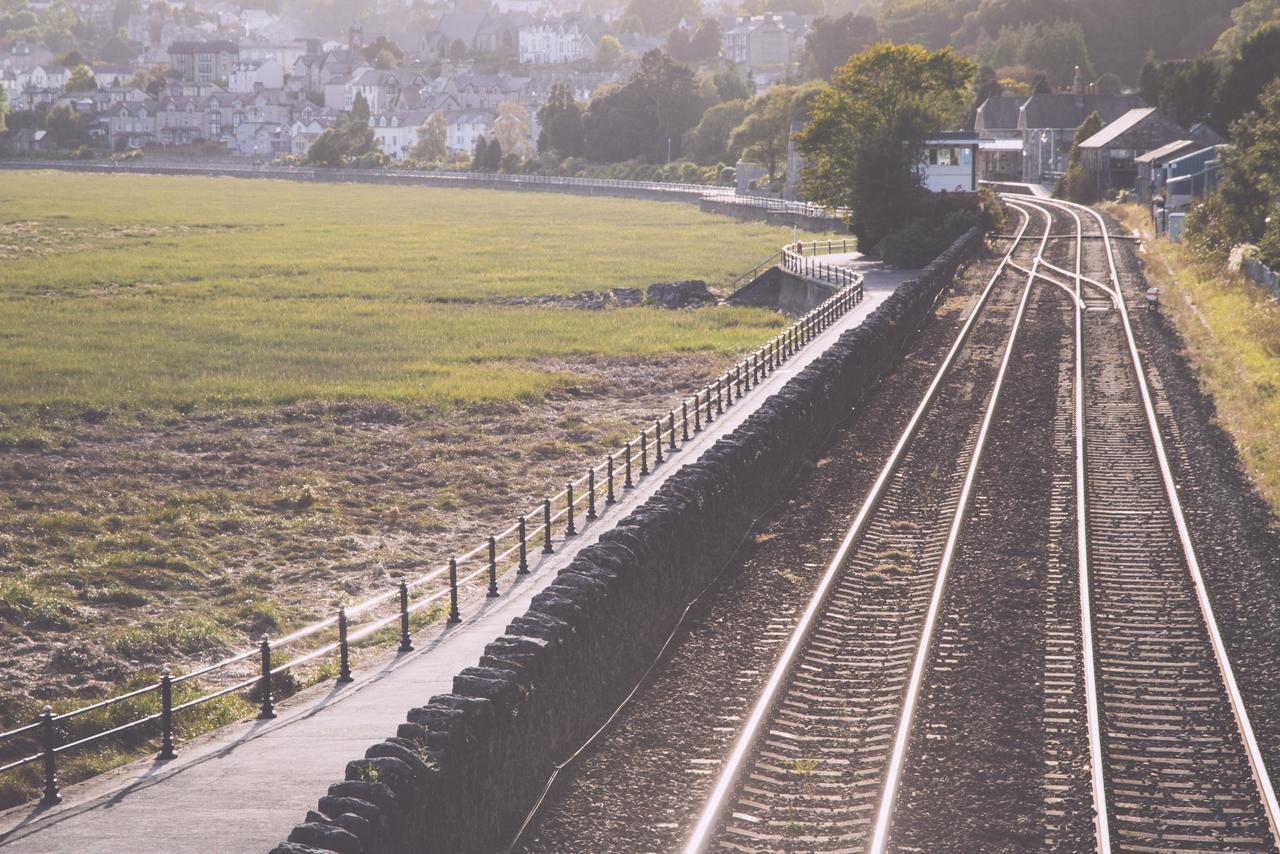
1232	329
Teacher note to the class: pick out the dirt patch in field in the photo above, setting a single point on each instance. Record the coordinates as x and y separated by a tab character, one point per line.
117	534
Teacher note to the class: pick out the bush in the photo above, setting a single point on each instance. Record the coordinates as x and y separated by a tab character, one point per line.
1269	245
926	238
1212	228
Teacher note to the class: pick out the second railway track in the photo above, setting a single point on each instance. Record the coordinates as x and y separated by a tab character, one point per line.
1133	734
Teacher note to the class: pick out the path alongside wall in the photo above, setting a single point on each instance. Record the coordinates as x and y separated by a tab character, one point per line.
462	770
265	774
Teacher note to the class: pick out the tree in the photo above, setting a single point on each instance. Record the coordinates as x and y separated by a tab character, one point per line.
1249	178
985	85
561	122
645	117
511	130
609	51
346	141
1247	75
71	59
66	127
704	44
1040	85
730	86
708	142
865	138
1246	19
831	41
457	51
81	80
1187	90
382	52
125	9
118	49
151	80
493	156
1077	185
360	109
765	133
1108	84
480	155
4	108
433	135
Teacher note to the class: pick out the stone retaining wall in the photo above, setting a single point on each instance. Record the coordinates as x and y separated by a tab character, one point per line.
780	289
461	772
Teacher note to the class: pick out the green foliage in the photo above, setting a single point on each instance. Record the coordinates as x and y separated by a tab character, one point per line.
730	86
350	142
764	134
1213	227
360	109
431	146
1077	185
81	80
926	238
35	604
1108	84
609	51
1054	48
831	41
1269	244
383	53
480	155
702	43
1248	74
708	142
654	109
865	139
66	127
560	120
1246	19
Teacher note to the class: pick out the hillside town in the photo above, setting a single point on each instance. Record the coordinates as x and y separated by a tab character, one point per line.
248	83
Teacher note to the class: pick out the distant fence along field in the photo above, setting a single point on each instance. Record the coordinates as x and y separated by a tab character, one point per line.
161	292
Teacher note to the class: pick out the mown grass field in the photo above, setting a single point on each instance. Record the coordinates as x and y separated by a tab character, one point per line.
1232	329
143	291
227	405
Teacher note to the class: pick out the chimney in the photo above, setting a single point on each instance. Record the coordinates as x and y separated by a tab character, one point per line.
1077	87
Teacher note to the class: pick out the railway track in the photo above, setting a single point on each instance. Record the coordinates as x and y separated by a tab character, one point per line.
1142	734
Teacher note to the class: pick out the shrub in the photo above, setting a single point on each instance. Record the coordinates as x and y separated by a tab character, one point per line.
1269	245
1212	228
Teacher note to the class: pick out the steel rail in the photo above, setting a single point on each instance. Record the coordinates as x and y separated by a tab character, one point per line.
1093	716
906	719
1075	299
714	805
1257	764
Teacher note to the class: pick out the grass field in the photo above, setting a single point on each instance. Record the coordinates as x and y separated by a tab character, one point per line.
141	291
185	360
1232	329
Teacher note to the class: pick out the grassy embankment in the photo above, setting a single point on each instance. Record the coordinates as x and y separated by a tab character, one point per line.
225	405
1231	327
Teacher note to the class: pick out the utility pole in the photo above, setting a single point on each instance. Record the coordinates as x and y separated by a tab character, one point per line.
668	149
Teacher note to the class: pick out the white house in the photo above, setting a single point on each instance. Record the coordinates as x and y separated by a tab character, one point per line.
951	163
551	42
397	133
465	127
250	76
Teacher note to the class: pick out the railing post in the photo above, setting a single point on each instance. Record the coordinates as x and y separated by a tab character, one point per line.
684	420
644	452
609	499
546	527
454	615
493	567
657	442
697	413
709	419
49	744
406	642
523	568
591	494
267	710
166	715
344	659
671	431
719	398
737	378
569	528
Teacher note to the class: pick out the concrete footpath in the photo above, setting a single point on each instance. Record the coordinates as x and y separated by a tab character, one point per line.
244	787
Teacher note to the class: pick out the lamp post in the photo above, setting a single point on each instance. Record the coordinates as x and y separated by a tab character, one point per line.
1044	137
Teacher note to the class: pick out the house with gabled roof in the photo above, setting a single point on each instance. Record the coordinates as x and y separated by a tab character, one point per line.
1109	155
